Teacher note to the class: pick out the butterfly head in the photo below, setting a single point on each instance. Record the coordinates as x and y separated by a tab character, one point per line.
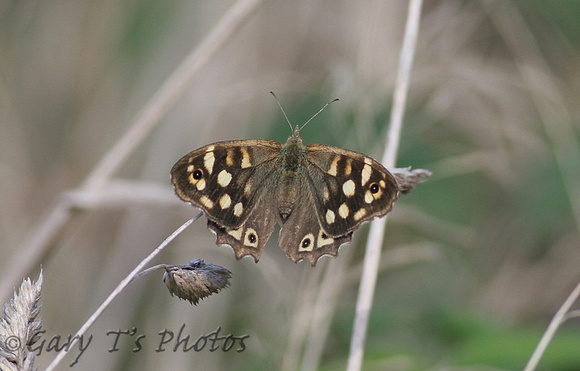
294	142
295	134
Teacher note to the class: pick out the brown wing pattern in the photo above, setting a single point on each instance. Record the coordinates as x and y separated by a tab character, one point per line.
223	178
348	187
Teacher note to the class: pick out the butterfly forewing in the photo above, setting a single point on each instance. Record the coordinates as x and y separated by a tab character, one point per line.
223	178
349	188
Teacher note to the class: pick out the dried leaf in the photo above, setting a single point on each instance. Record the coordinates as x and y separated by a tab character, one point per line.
409	179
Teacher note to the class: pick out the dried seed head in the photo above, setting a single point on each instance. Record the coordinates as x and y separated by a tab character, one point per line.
409	179
195	280
21	327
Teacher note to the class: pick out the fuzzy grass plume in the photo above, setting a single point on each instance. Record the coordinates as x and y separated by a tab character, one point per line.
20	327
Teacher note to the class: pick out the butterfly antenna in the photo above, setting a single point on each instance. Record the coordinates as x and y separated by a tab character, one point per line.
282	109
316	114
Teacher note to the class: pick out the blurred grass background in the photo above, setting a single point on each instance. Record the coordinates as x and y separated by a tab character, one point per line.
476	260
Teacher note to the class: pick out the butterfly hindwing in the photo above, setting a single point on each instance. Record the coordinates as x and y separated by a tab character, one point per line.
250	237
301	236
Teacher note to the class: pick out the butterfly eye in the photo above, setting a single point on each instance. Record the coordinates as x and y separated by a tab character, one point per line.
374	188
198	174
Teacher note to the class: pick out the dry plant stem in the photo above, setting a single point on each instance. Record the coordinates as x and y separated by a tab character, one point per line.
124	283
171	90
373	250
323	310
559	318
572	314
41	237
145	272
310	286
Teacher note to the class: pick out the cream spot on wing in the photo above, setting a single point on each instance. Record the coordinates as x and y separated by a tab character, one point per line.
360	214
245	158
365	174
235	233
238	209
251	238
348	167
348	188
208	161
325	194
225	201
190	168
330	216
224	178
333	170
248	187
377	194
382	184
323	240
230	157
307	243
200	185
343	211
205	201
369	197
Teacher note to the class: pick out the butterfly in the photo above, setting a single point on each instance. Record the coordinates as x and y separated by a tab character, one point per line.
318	194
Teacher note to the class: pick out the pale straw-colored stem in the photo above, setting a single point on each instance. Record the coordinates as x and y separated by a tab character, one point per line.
171	90
122	285
50	226
559	318
373	250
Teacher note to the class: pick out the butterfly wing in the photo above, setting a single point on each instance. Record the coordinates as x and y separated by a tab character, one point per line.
240	187
347	187
301	236
250	237
224	179
228	181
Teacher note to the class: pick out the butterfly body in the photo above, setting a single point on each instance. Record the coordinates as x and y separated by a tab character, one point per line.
318	194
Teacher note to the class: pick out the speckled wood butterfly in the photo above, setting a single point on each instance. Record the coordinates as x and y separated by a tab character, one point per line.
319	194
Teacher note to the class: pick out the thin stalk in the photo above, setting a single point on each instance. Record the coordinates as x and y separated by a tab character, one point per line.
559	318
376	234
41	237
122	285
